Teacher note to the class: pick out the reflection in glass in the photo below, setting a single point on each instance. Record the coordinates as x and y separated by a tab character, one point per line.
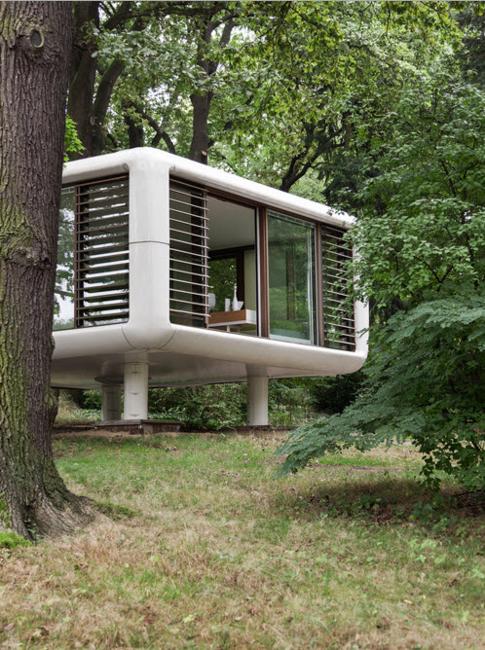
64	288
291	271
223	277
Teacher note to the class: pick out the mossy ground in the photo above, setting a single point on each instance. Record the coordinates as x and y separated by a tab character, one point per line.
203	548
9	540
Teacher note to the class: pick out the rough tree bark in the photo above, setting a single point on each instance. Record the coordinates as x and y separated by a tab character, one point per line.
199	147
35	42
83	72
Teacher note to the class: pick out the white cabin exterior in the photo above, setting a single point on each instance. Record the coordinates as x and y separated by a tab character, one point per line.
152	234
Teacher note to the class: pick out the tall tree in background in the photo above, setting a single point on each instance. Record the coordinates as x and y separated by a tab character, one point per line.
35	46
119	51
92	79
267	90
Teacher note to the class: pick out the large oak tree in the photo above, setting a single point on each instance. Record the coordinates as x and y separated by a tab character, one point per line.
35	46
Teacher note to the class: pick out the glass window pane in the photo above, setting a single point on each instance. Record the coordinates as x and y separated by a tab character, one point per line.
64	291
222	279
291	273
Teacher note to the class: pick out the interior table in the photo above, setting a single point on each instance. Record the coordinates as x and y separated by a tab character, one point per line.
232	319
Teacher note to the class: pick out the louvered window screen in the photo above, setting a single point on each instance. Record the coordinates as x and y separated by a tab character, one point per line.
101	261
188	254
338	311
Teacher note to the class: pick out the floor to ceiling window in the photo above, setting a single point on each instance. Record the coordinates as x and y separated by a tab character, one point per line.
291	278
232	267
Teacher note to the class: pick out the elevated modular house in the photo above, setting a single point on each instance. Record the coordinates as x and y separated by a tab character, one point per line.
174	273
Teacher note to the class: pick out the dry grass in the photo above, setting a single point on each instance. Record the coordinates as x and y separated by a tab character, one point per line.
348	554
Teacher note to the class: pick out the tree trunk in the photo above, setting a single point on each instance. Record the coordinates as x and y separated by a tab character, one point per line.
199	147
83	73
35	43
136	133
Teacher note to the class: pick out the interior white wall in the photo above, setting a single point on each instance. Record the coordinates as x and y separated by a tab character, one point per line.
250	290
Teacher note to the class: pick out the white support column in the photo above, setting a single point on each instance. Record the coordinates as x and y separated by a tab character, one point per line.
136	391
110	402
257	401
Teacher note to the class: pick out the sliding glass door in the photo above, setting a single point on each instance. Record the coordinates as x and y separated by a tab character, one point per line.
291	279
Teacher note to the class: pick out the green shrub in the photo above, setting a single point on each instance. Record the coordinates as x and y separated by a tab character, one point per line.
334	394
91	399
215	407
426	382
223	406
290	401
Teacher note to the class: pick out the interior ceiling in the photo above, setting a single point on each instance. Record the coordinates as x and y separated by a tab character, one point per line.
230	224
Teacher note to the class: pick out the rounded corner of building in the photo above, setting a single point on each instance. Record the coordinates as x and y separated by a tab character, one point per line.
146	335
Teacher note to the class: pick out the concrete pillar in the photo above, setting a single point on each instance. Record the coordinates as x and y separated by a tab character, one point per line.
110	402
258	401
136	391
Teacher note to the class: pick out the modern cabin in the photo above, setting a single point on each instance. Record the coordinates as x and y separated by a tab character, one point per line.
175	273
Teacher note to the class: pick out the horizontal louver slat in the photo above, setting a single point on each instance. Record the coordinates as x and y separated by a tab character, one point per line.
88	227
95	241
96	269
93	192
114	249
188	254
102	253
338	311
93	200
119	317
105	299
105	306
115	286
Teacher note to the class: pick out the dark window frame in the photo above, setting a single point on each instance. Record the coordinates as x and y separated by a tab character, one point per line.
315	315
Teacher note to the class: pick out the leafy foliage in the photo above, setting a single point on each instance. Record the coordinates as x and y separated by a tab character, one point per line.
422	224
426	382
223	406
72	143
215	407
333	394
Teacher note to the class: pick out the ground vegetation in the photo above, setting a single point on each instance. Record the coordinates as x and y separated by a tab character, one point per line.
200	547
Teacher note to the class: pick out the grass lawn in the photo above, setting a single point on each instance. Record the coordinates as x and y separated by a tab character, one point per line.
210	551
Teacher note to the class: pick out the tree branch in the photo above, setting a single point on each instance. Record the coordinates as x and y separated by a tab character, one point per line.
105	90
119	17
160	134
